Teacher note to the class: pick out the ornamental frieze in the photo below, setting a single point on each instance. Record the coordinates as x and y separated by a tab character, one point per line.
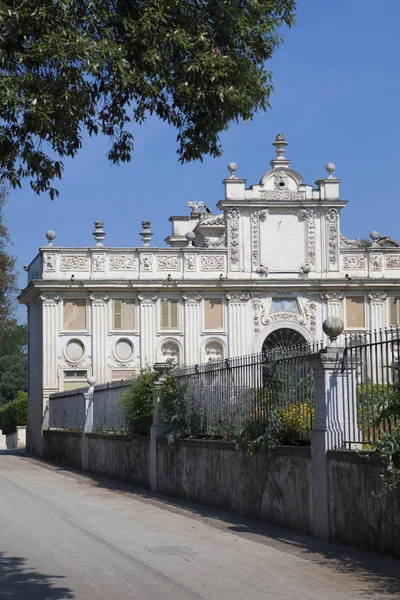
123	262
50	261
146	262
283	195
376	262
392	262
74	262
190	263
354	262
233	220
212	263
168	263
98	262
332	218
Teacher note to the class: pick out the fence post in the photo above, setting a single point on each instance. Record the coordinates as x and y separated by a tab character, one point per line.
157	429
88	422
328	429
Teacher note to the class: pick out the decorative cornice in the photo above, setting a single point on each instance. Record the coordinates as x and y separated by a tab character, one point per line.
49	297
377	296
191	298
98	297
329	296
147	298
238	297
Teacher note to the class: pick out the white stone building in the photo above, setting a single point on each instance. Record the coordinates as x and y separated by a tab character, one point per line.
267	269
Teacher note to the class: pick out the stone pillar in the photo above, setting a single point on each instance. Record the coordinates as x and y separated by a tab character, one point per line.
99	336
147	329
50	322
192	328
88	425
238	326
157	429
328	430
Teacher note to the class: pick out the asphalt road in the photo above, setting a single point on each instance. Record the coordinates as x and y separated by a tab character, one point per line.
67	535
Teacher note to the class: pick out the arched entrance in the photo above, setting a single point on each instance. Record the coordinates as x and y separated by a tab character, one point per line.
283	338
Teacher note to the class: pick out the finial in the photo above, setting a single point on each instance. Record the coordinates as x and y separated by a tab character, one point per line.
190	236
232	168
50	235
330	167
99	234
280	146
146	233
374	235
333	327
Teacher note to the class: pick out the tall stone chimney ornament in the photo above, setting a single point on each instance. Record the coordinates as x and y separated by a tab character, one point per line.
146	233
99	234
280	146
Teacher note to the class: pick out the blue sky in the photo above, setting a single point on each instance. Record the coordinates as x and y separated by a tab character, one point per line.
337	97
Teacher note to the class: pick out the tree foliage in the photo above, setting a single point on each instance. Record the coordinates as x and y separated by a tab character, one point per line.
14	413
8	278
13	363
70	66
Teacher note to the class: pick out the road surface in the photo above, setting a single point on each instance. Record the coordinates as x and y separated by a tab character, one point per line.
67	535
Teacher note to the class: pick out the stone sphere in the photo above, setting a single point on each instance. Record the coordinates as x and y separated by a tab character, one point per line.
374	235
330	167
232	167
333	327
190	236
50	235
91	381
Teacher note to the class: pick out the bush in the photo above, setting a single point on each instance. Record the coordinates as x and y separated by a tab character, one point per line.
14	413
295	422
138	403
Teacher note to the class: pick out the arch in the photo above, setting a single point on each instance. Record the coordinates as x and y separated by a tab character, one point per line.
268	329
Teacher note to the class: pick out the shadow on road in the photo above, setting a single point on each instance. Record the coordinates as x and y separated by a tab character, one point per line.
19	582
380	572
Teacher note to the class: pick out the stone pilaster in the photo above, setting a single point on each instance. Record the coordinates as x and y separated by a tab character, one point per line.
377	310
99	336
192	328
238	326
147	318
334	307
50	339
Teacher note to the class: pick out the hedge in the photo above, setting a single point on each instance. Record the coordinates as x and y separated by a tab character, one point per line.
14	413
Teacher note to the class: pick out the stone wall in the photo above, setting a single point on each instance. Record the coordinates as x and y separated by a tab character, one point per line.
124	457
63	446
276	490
360	514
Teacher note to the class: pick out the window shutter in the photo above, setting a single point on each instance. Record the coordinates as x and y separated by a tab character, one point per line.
394	310
128	314
117	314
164	313
174	314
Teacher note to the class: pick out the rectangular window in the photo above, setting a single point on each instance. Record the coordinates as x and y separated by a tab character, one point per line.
74	380
394	312
75	315
355	312
169	314
123	314
284	305
213	313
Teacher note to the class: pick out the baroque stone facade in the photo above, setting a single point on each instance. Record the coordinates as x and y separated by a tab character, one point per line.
271	258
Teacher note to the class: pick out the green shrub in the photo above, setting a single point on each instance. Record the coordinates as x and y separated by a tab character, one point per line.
14	413
138	403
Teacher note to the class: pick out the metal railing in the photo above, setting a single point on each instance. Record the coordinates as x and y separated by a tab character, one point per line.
371	385
108	413
223	397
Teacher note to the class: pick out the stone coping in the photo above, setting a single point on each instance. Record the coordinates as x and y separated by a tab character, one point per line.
221	445
62	432
123	437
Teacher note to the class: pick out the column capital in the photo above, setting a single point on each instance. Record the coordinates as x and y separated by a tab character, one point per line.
377	296
192	297
49	297
147	298
98	297
238	297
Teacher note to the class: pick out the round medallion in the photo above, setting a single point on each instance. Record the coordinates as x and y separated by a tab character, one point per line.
123	349
75	350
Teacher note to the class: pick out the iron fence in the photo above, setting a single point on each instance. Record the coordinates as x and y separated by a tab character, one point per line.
371	386
108	413
222	397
